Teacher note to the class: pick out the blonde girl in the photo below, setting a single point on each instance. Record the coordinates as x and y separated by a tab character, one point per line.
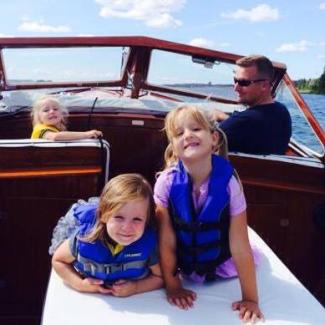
113	250
201	213
49	122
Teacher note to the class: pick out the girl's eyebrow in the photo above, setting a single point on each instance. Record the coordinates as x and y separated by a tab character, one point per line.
139	218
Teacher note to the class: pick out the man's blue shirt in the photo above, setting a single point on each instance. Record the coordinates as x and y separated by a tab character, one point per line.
261	129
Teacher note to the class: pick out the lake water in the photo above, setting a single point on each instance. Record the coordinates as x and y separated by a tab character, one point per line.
317	106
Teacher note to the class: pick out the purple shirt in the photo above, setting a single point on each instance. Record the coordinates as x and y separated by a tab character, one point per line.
237	205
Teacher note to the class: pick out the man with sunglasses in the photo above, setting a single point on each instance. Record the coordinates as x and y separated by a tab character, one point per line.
265	126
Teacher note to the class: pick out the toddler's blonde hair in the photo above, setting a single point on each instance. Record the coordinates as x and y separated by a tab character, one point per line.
117	192
41	102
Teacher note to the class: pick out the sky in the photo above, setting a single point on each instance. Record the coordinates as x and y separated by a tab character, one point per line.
287	31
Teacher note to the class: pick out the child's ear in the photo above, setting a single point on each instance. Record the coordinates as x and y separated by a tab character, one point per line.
215	138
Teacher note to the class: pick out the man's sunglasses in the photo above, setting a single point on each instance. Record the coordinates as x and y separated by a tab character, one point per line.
246	82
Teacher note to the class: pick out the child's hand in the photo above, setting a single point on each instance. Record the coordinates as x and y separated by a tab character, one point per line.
93	286
248	311
218	115
94	134
124	288
180	297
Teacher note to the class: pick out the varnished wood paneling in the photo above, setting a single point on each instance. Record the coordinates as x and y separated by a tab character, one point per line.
282	200
31	202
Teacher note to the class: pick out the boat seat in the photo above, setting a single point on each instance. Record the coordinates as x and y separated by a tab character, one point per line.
21	155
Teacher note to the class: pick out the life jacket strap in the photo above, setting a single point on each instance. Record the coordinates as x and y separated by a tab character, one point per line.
200	268
198	249
194	226
93	267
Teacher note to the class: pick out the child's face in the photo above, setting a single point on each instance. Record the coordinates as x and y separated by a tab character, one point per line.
191	141
127	224
50	113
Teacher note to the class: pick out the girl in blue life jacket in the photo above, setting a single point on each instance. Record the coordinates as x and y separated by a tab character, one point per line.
201	213
113	249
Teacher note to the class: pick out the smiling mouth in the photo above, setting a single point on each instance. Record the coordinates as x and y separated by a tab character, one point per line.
191	145
126	236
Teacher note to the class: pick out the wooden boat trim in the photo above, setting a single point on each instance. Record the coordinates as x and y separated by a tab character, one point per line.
276	185
50	172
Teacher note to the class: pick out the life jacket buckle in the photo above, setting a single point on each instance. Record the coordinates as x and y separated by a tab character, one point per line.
115	268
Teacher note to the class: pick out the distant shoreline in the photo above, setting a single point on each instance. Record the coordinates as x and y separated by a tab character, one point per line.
306	91
309	92
195	85
202	85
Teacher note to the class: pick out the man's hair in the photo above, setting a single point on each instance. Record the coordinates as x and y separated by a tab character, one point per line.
263	65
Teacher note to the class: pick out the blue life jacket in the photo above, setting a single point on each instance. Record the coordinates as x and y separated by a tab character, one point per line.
94	259
202	238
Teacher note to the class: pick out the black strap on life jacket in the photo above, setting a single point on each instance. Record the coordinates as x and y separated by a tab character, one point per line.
198	249
194	226
206	268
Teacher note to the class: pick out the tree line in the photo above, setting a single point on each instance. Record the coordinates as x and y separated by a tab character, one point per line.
316	86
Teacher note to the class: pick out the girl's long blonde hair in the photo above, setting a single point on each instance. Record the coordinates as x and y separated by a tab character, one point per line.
204	119
118	191
41	102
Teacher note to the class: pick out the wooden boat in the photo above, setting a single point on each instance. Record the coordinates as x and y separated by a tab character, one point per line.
39	180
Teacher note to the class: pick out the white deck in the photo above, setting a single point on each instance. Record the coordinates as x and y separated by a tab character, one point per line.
283	300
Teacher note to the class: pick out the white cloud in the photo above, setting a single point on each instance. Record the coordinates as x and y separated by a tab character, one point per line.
5	35
301	46
201	42
322	5
262	12
40	27
154	13
321	57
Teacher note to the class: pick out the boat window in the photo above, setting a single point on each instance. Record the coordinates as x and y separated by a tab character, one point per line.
302	132
197	74
76	64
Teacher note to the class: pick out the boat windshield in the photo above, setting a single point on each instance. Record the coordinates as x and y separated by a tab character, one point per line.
193	73
69	64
